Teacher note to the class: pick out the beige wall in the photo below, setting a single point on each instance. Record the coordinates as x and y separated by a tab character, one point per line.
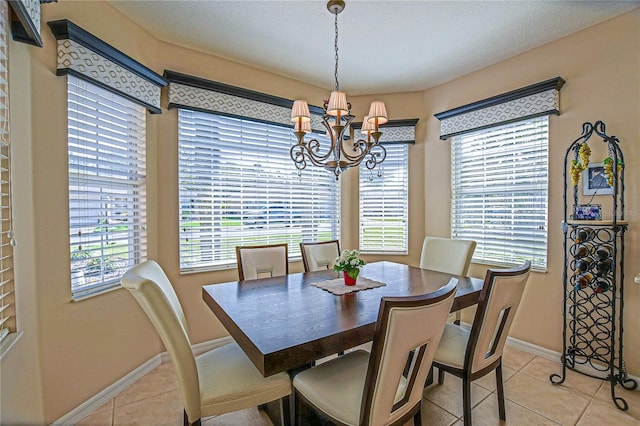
601	67
75	350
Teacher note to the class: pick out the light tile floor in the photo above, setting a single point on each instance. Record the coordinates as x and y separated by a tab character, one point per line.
531	400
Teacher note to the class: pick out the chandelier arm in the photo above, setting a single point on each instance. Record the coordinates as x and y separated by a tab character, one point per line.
376	156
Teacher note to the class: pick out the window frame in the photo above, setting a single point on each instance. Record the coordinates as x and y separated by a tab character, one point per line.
537	183
369	180
107	183
237	141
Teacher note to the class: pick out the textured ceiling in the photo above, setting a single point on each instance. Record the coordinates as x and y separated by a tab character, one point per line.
384	46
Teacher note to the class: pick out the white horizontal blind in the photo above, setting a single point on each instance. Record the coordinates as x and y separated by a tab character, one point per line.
384	204
239	186
7	305
107	198
499	192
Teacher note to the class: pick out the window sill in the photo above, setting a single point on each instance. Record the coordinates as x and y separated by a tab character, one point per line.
8	342
97	292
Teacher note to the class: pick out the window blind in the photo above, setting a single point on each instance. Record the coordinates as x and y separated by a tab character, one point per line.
7	306
384	204
499	192
107	199
238	186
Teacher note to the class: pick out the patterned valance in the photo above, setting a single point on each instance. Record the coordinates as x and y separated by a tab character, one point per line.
84	55
394	131
198	94
26	25
528	102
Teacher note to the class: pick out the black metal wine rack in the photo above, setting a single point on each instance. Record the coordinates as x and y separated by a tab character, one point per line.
593	278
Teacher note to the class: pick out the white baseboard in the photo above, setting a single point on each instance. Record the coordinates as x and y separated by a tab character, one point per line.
111	391
90	405
550	355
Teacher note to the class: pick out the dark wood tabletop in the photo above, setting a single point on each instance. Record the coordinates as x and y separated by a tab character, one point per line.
283	323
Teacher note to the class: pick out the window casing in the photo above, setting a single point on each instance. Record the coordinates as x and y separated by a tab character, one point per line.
499	192
238	186
107	191
7	304
384	204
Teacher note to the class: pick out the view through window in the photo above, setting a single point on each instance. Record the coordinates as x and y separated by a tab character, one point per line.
239	186
384	204
107	201
499	192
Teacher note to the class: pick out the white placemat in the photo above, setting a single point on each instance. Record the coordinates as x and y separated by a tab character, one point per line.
338	287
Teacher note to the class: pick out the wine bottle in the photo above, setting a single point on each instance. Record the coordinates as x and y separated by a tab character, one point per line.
584	234
605	251
603	267
583	265
602	286
583	280
583	249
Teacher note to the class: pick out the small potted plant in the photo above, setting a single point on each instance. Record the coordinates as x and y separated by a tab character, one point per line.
350	264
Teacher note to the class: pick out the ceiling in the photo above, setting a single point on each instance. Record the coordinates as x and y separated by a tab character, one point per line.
384	46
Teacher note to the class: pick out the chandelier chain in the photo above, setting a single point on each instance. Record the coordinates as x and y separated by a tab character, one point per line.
336	47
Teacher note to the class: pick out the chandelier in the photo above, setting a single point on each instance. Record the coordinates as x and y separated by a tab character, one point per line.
345	151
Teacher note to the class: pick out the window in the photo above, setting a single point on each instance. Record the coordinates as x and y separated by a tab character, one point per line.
384	204
239	186
7	306
499	192
107	201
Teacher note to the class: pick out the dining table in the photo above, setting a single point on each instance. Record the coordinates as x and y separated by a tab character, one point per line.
286	323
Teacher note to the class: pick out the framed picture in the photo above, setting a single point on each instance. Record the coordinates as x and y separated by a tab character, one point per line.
588	212
594	181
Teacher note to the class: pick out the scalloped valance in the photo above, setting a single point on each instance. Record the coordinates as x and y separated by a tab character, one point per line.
87	57
528	102
199	94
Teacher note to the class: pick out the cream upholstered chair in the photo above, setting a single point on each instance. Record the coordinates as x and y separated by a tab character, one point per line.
216	382
319	256
447	255
473	354
262	261
384	387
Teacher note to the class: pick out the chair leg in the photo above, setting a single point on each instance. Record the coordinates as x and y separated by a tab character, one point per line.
417	418
466	401
429	380
285	411
186	421
440	376
500	390
297	408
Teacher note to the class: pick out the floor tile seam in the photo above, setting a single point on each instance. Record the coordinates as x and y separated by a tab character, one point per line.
493	390
521	405
521	368
444	409
609	400
144	399
565	389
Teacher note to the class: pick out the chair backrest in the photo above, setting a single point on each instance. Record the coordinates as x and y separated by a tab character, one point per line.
403	352
152	289
319	256
262	261
447	255
497	306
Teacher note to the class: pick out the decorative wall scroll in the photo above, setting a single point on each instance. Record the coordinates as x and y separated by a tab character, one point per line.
395	131
528	102
84	55
26	25
198	94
